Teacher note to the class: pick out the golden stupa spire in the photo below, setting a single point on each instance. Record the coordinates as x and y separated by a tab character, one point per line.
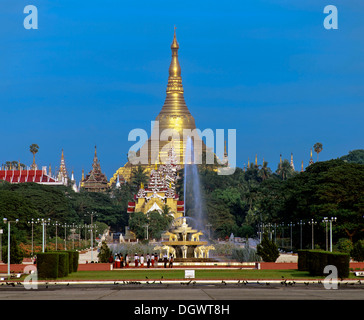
175	102
82	178
256	160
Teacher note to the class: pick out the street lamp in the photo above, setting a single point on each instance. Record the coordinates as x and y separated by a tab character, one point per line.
44	223
65	235
312	223
56	224
325	220
291	225
146	226
32	222
301	224
1	246
333	219
8	222
92	213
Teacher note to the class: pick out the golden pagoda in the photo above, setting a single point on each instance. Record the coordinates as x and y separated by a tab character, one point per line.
174	115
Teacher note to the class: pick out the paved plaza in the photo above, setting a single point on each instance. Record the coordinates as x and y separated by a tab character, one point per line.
181	291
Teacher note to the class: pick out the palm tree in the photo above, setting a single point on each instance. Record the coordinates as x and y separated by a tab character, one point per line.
139	176
318	148
33	149
264	171
285	170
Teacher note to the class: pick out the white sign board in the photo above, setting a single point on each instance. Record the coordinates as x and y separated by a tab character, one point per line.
359	273
189	274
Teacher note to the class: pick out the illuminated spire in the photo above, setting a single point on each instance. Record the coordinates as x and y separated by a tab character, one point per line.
292	164
175	102
82	178
311	160
302	166
62	172
256	160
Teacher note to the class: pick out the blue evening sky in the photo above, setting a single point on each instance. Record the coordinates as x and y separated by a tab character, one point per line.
94	70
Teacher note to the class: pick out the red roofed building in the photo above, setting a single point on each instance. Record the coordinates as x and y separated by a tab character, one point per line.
29	175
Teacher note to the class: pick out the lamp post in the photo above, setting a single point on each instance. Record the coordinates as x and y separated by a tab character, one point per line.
301	224
92	213
325	220
146	226
282	225
1	246
333	219
44	222
291	225
312	223
65	236
32	223
9	222
56	224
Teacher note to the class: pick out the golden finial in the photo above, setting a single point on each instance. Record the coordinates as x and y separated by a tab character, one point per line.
141	185
174	44
256	160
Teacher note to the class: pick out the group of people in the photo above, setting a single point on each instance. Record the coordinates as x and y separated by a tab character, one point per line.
150	260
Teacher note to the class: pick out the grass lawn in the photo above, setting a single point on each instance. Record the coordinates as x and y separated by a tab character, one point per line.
179	274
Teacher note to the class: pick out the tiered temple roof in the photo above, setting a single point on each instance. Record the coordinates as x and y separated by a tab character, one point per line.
160	191
95	181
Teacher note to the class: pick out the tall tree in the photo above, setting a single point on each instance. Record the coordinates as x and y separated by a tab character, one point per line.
318	148
285	170
33	149
139	176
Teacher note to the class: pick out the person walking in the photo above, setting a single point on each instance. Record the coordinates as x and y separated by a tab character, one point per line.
156	260
148	260
171	261
152	260
165	260
127	260
136	260
142	260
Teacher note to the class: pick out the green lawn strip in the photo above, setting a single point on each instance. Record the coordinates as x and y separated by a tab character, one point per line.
152	275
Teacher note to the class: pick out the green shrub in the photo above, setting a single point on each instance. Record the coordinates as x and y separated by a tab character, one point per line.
344	245
268	250
76	257
357	252
47	265
63	264
315	262
244	255
105	253
341	261
303	260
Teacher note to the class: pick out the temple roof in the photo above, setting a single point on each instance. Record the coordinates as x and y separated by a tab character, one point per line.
23	176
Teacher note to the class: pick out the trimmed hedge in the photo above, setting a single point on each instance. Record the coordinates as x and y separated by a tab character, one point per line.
47	265
63	264
73	260
315	261
302	260
56	264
